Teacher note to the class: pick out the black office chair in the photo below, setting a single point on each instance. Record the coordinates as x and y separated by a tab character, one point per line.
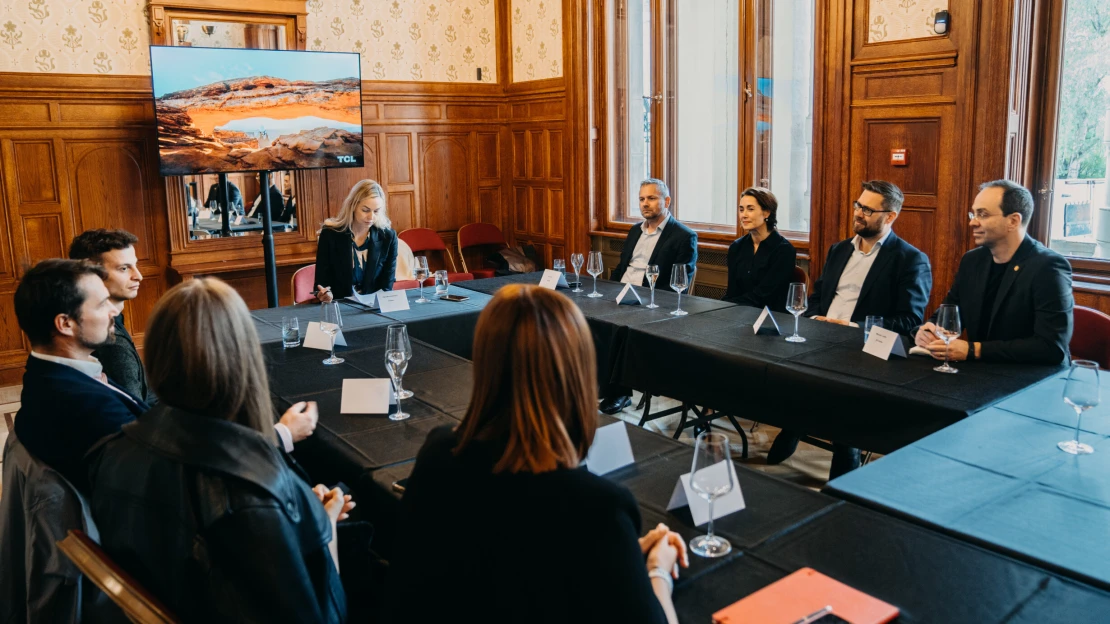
702	421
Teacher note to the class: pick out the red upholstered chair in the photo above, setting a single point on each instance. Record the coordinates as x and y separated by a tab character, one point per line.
1091	339
801	276
405	284
423	240
304	284
483	238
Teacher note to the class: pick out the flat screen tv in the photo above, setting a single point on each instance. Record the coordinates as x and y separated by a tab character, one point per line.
223	110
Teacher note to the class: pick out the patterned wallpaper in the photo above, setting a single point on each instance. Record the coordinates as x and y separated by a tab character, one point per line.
537	39
896	20
430	40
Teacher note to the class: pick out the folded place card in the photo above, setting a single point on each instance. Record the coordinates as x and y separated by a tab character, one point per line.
628	296
770	330
205	214
553	279
238	219
881	343
366	300
392	300
365	396
611	449
316	338
684	495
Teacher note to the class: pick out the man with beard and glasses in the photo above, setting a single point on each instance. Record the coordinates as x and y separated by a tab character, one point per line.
874	273
68	403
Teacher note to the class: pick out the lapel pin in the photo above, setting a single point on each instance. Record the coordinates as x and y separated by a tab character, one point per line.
1016	267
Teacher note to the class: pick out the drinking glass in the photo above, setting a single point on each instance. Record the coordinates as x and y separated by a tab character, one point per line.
652	275
560	265
711	478
290	332
948	328
679	282
441	283
330	322
796	303
594	268
397	356
1080	392
868	323
420	269
576	262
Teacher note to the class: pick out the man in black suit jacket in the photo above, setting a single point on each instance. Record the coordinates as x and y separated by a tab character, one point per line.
217	201
660	240
1015	295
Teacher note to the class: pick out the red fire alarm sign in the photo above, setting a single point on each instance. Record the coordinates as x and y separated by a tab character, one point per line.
899	158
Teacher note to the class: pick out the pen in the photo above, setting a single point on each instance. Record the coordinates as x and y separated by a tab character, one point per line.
827	609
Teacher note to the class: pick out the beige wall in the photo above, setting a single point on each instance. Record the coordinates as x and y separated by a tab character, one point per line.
896	20
537	39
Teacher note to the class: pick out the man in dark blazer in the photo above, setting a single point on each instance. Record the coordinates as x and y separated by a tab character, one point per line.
217	201
1015	295
660	240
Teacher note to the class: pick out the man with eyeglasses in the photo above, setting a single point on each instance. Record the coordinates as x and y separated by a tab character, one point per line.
1014	294
874	273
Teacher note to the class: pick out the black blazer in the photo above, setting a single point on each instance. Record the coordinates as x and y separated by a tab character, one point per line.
677	244
568	510
896	288
1031	321
64	412
335	263
761	278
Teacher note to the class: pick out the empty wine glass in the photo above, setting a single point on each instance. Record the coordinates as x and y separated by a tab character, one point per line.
396	362
711	478
652	275
576	261
679	282
796	303
420	271
1081	392
330	322
947	329
594	268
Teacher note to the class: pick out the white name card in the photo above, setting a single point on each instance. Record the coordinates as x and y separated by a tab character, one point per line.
628	296
238	219
366	300
553	279
881	343
772	329
365	396
316	338
611	449
685	495
392	300
205	214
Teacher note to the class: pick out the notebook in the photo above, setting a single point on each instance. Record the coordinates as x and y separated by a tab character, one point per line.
805	592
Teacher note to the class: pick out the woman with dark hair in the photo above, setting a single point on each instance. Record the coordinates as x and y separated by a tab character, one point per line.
357	249
531	536
760	263
194	499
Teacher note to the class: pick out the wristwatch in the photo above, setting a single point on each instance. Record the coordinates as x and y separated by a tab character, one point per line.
662	574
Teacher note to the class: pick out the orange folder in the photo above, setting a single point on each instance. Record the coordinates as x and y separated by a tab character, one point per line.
791	599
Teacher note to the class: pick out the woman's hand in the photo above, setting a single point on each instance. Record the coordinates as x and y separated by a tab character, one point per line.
336	504
323	295
665	549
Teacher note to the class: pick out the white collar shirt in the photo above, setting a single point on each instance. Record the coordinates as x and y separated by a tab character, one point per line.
641	255
91	367
851	280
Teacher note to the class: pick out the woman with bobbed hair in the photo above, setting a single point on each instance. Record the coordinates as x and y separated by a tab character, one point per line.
760	263
498	520
357	249
194	499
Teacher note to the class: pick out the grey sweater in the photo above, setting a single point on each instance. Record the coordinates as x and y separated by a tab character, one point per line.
122	364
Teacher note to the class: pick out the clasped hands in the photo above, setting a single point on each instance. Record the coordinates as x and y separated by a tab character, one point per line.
926	338
664	549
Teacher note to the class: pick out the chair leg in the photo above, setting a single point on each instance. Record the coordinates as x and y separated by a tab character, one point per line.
645	402
681	423
743	438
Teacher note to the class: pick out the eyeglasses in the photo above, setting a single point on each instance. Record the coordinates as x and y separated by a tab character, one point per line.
980	215
867	212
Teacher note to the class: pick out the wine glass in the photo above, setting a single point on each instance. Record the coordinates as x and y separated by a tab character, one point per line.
560	265
330	322
679	282
576	261
947	329
652	275
1080	392
594	268
796	303
396	362
420	270
711	478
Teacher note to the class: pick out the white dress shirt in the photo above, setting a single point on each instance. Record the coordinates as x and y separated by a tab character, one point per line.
851	280
641	255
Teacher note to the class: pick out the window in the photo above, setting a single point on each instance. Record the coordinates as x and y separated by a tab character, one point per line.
712	98
1080	215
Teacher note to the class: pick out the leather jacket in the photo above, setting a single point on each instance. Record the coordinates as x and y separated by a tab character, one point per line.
206	515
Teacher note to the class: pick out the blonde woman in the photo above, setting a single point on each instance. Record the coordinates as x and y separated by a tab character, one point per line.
357	249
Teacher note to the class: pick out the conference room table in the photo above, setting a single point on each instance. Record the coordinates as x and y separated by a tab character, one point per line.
998	479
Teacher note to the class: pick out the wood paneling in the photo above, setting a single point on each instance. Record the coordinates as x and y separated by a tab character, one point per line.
34	165
444	162
400	158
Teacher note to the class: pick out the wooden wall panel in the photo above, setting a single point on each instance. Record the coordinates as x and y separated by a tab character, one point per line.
444	163
399	148
115	201
44	237
35	169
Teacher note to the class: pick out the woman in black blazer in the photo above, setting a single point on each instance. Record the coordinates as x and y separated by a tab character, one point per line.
357	249
498	521
761	263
